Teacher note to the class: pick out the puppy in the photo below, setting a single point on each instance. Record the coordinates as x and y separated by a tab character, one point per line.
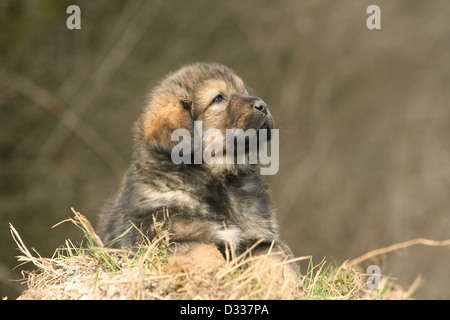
220	204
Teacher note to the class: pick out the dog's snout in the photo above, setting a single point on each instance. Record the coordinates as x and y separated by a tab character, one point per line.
261	106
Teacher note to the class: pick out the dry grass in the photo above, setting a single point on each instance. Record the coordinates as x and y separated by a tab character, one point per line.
150	271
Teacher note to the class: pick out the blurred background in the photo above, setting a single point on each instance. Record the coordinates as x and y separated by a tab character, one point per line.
364	117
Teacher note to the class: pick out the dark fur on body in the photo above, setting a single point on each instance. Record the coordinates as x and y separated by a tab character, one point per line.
206	203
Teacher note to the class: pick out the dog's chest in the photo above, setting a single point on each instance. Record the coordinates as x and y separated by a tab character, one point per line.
243	205
236	198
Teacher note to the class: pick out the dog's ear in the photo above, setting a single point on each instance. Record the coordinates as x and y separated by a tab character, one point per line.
162	118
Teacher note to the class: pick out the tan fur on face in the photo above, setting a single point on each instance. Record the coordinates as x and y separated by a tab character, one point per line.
186	96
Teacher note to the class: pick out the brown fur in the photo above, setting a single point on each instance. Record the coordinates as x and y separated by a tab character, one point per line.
160	123
207	203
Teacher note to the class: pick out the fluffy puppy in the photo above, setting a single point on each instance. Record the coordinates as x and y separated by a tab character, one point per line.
207	203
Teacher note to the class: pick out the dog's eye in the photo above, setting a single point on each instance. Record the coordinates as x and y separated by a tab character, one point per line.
218	98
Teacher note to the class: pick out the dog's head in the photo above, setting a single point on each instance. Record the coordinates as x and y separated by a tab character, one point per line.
210	94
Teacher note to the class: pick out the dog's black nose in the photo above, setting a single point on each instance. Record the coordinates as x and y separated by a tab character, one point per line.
261	106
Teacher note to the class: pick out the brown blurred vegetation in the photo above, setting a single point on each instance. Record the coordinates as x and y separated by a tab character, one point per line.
363	116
